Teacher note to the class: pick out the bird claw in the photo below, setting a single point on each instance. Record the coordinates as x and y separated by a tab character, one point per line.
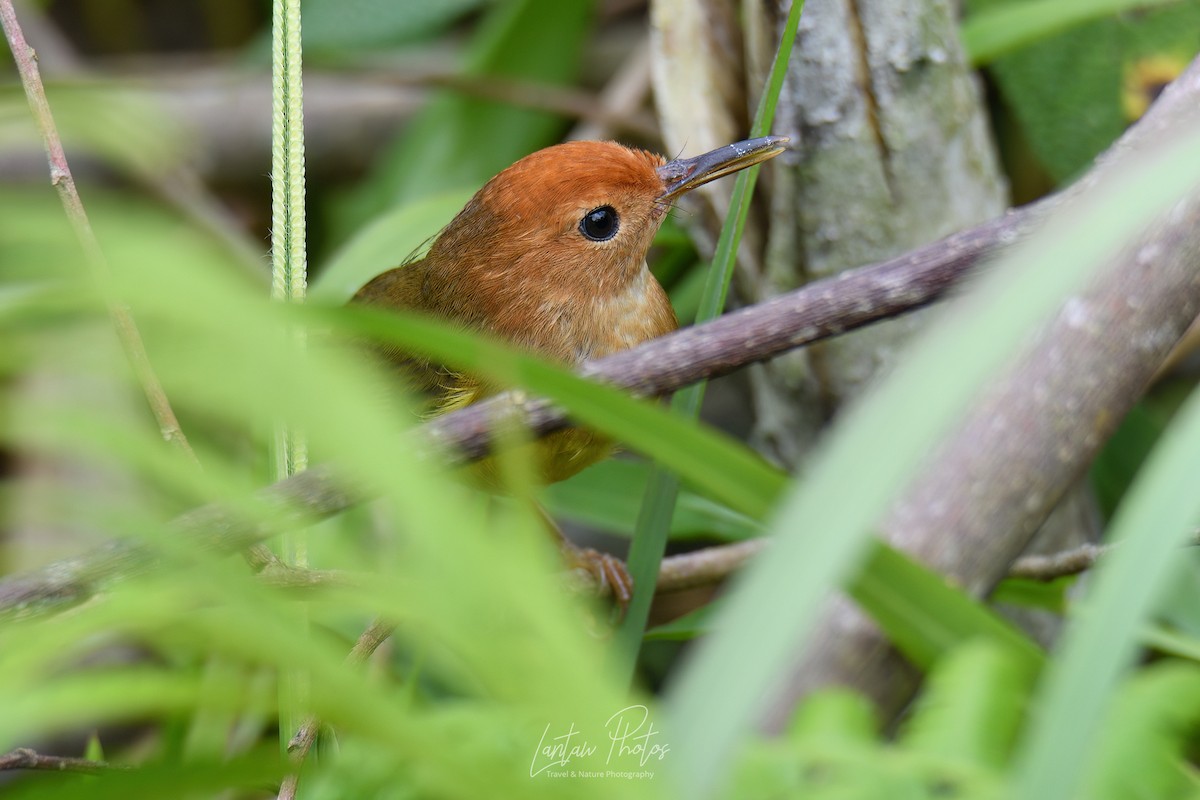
607	571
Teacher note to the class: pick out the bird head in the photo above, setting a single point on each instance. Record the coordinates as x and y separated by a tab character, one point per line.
580	213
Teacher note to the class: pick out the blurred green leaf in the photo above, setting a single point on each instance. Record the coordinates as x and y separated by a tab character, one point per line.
726	470
972	706
1143	740
925	617
835	715
1126	450
390	240
247	772
689	626
1171	642
335	26
1117	465
606	496
1101	643
1067	90
1007	26
94	751
1181	605
1045	595
117	125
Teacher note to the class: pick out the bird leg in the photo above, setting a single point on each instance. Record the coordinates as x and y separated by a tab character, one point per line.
608	571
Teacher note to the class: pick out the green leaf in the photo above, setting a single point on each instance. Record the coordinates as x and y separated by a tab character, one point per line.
243	774
1026	593
972	706
1170	642
724	469
1004	27
925	617
1126	450
606	496
390	240
1143	740
1066	90
835	716
1100	644
1116	467
338	26
689	626
122	127
94	751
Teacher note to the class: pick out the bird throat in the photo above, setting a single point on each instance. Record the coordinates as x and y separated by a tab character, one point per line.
637	311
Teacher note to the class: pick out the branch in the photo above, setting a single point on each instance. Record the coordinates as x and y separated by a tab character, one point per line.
1001	470
757	333
752	334
24	758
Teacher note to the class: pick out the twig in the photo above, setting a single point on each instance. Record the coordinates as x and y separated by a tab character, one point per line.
60	177
24	758
755	333
284	576
713	564
376	634
1050	566
705	567
1068	562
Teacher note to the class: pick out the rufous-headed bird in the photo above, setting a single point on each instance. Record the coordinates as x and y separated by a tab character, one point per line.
550	256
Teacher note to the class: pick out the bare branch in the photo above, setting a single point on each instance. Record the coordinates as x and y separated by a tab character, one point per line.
1051	566
705	567
24	758
751	334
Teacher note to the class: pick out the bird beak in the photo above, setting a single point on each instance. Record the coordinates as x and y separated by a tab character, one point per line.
684	174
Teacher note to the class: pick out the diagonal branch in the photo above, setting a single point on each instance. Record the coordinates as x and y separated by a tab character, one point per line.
752	334
1029	437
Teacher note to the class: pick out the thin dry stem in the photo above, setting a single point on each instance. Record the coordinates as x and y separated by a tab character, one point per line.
375	635
258	555
24	758
60	177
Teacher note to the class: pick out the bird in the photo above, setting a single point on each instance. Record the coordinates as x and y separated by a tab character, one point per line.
550	257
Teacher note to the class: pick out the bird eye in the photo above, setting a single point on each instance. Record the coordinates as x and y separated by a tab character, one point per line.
600	224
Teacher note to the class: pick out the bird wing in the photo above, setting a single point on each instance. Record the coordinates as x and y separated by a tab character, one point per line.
403	289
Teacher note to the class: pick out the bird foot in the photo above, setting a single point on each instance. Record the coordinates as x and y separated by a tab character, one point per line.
608	573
